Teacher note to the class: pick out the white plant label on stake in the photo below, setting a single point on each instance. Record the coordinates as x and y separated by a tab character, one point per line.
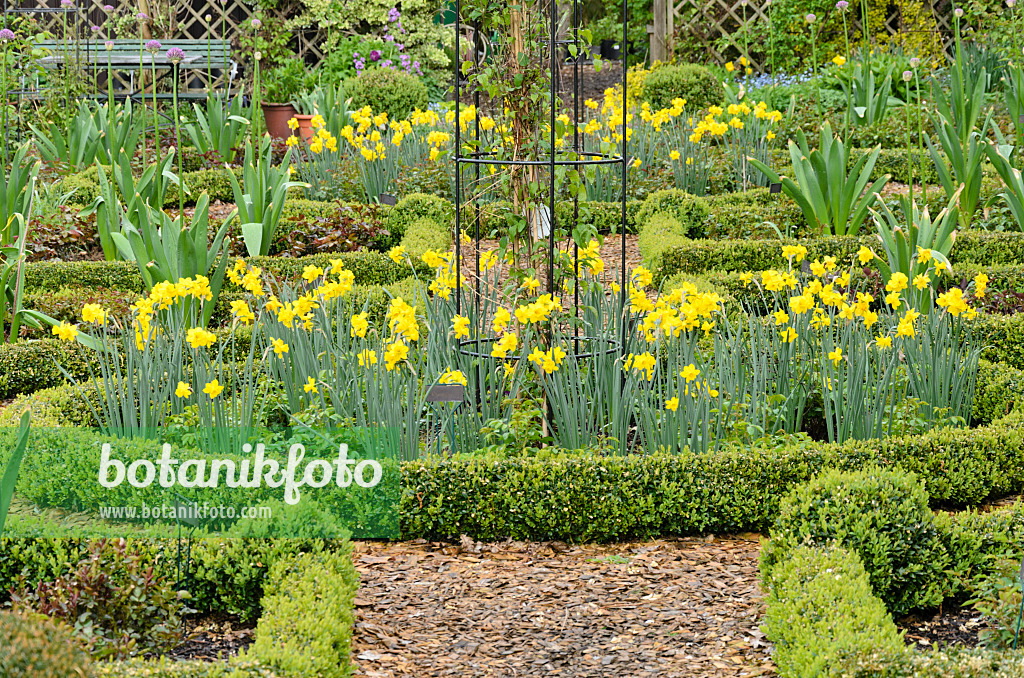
541	222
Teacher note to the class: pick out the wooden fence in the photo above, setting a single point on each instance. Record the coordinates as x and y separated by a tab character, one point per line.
180	19
717	25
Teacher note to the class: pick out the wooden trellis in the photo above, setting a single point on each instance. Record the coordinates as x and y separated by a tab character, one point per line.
714	22
189	21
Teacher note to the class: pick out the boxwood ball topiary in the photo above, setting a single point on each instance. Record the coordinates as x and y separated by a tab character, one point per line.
883	517
35	646
692	82
383	89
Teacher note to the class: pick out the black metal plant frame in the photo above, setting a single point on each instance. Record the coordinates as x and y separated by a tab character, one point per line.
554	158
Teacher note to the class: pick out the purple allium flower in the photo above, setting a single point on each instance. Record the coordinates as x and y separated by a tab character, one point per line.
256	24
67	3
142	16
375	55
6	35
958	12
907	76
108	8
393	14
94	29
915	62
810	18
153	46
175	54
109	44
842	5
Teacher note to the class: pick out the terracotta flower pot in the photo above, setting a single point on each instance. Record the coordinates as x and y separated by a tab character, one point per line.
305	126
276	117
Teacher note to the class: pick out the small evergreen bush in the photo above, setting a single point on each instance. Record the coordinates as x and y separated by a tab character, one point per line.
883	517
383	89
691	82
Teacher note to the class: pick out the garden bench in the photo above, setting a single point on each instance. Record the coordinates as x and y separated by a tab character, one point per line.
207	64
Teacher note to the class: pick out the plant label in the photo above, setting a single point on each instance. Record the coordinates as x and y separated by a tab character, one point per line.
446	393
542	222
775	188
386	199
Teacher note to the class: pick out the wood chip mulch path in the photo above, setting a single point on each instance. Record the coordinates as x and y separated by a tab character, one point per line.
681	607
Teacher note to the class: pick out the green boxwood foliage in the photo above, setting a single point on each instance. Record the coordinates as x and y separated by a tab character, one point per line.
820	609
196	668
692	82
691	212
34	646
28	366
698	256
880	515
659	238
385	89
999	392
580	497
369	268
418	206
426	234
306	627
949	662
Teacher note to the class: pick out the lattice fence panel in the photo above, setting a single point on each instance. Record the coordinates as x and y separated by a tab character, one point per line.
718	24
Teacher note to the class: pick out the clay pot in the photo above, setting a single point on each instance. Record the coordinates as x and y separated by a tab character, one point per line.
305	126
276	116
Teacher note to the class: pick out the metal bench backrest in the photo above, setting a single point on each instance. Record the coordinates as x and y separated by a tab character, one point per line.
95	50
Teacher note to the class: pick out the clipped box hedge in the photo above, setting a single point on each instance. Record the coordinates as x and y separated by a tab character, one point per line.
699	256
307	621
821	609
369	268
582	497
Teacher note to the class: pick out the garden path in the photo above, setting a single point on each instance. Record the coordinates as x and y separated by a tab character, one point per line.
682	607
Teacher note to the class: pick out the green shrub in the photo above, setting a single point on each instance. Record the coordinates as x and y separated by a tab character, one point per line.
369	268
384	89
196	668
948	662
306	627
57	406
880	515
426	234
34	646
691	212
417	206
691	82
578	497
1003	338
820	609
698	256
115	605
746	215
29	366
659	238
976	542
999	391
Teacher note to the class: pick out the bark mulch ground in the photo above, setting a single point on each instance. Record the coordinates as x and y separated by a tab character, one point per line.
952	626
213	638
683	607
